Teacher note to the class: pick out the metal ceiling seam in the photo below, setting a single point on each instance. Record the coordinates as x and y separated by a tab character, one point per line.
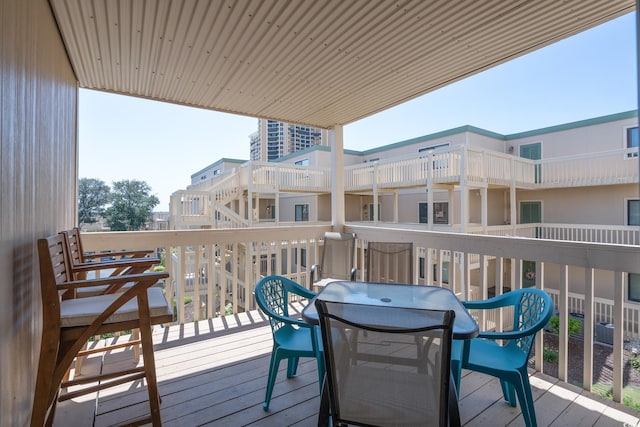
245	72
203	73
214	47
289	50
238	22
170	45
265	56
187	44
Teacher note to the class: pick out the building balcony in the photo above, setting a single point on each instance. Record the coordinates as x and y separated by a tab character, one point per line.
218	270
214	373
220	201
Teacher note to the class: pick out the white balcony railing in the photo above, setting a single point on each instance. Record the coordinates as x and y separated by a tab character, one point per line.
474	166
287	177
479	166
222	267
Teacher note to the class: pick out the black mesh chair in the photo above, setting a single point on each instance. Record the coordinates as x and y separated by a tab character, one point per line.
337	260
379	378
389	262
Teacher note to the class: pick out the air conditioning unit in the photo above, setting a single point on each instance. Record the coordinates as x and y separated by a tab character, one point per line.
604	332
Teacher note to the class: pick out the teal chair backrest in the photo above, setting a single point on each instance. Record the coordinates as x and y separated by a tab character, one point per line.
273	294
532	310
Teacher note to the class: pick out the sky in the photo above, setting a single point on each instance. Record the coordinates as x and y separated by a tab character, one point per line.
588	75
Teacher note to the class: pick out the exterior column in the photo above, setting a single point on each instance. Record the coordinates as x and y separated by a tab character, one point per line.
250	197
337	183
464	192
512	198
395	206
483	207
263	141
430	193
375	194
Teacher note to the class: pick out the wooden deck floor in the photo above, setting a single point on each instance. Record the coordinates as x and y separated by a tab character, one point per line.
214	372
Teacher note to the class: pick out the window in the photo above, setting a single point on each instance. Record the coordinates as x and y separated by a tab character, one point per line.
422	213
263	265
371	212
303	162
302	212
631	139
303	256
633	212
217	172
634	287
533	152
440	213
445	272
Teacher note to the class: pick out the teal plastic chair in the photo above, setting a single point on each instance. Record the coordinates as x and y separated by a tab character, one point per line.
532	309
292	337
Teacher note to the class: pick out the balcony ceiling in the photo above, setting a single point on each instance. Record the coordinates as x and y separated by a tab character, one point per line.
320	62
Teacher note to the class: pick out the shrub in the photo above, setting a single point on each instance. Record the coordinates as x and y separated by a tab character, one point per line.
550	355
575	326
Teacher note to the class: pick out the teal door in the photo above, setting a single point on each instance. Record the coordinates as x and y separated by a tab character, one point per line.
533	152
530	212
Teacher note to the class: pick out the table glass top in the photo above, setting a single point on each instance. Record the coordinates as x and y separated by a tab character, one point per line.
397	295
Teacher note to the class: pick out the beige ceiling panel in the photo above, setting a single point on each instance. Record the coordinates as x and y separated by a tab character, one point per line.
316	62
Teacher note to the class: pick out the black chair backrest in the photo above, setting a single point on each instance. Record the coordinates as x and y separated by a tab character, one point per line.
338	255
389	262
386	365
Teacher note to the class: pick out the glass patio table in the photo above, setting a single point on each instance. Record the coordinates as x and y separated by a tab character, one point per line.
397	295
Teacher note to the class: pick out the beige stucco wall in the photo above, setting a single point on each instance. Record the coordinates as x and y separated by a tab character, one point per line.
583	205
587	139
38	110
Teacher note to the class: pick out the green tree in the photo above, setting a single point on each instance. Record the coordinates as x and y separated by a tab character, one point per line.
131	205
93	196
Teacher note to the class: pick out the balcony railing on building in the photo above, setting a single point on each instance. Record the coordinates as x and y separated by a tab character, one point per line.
219	202
218	270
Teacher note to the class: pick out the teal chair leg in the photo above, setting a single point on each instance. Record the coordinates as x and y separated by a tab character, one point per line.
517	384
509	392
271	381
292	366
526	399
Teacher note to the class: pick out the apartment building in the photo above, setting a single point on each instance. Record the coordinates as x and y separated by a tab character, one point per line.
573	181
586	173
275	139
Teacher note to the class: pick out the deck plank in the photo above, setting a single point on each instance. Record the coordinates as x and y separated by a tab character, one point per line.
214	373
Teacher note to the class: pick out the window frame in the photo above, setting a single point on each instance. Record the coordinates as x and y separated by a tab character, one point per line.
627	206
304	212
435	212
636	283
626	132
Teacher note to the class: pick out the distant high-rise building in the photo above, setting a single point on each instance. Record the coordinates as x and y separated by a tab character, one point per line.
282	139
